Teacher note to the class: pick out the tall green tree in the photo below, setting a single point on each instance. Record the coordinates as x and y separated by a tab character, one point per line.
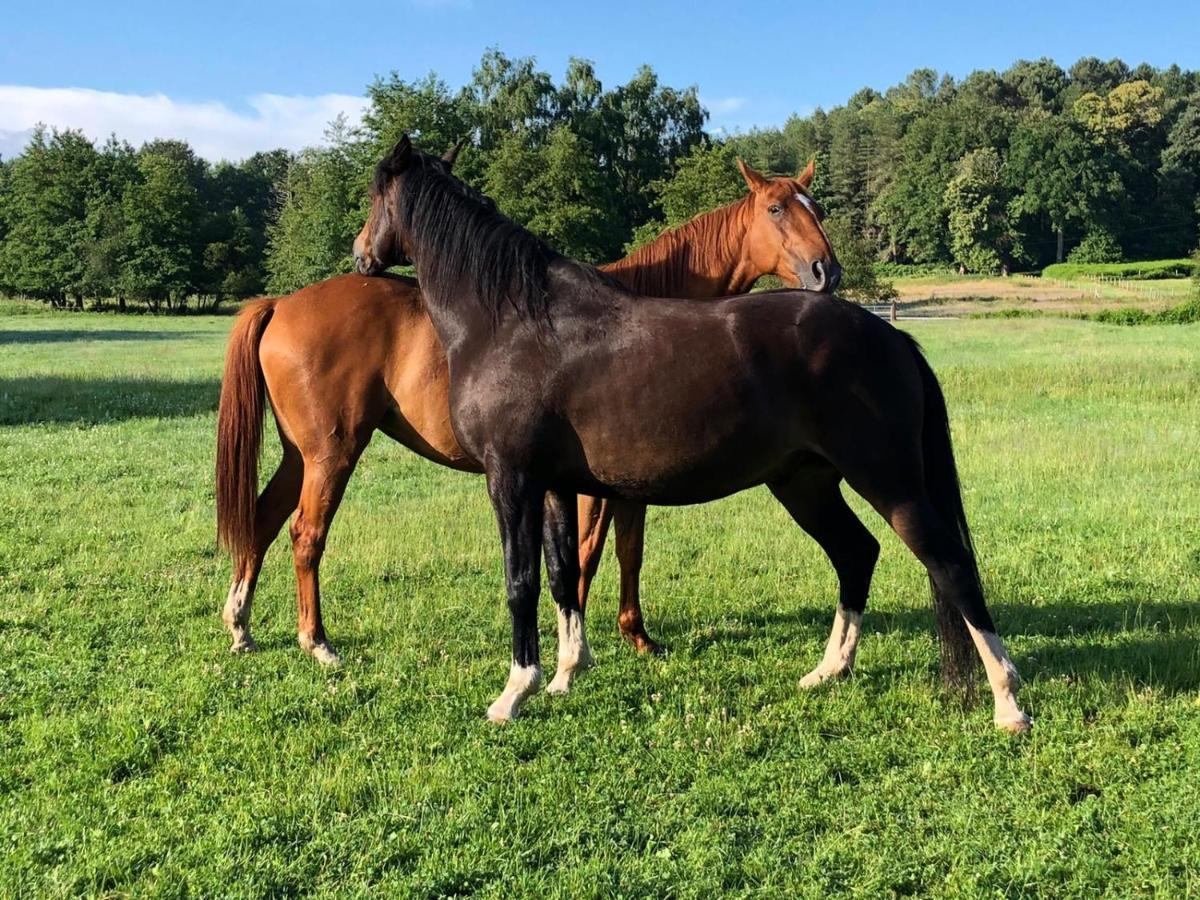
426	110
1179	177
1057	176
981	237
647	127
321	214
106	241
163	218
46	202
556	191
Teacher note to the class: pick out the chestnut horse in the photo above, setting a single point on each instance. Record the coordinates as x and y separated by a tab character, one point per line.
349	356
562	382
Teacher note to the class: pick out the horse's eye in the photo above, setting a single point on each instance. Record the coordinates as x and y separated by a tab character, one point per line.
774	209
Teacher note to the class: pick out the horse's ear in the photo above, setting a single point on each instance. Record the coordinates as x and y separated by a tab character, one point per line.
401	155
754	180
452	154
805	178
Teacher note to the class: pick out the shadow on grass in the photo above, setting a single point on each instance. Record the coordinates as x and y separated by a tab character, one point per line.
95	401
1141	641
64	336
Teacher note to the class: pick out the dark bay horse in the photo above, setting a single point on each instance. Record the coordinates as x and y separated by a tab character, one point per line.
564	382
349	356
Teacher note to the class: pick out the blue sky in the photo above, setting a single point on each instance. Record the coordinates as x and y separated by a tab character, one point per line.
234	76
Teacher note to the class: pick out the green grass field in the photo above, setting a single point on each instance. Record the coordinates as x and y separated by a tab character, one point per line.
138	757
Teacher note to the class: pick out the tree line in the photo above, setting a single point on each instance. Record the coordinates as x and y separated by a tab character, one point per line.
156	225
997	171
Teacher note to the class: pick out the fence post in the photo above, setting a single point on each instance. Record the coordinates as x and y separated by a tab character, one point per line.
893	315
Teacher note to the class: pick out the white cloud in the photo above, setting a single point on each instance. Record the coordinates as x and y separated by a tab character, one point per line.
13	142
213	129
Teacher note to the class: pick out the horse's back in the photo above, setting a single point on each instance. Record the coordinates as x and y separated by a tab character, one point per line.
670	397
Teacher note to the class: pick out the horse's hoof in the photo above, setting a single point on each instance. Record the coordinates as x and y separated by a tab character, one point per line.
502	711
819	676
812	680
560	684
643	643
322	652
244	645
1020	725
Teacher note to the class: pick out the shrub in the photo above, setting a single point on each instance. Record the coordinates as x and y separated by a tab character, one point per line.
1186	313
860	278
1097	247
1133	271
912	270
1127	316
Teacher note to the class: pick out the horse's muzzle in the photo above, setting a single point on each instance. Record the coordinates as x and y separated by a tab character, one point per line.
824	277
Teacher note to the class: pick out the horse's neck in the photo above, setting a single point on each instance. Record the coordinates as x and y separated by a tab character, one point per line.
703	258
456	317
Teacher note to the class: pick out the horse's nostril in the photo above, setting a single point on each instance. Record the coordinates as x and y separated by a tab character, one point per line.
818	270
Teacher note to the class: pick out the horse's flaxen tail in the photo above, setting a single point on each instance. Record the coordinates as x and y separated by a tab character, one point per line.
239	430
959	658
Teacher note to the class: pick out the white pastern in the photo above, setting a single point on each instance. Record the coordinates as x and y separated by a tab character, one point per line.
573	651
237	618
321	651
523	682
1003	678
840	651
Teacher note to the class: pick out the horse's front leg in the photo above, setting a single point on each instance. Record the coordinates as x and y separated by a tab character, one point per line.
518	505
559	532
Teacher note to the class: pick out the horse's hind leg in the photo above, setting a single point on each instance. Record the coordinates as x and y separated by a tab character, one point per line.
594	517
629	518
629	522
559	529
898	493
954	576
275	504
324	484
815	502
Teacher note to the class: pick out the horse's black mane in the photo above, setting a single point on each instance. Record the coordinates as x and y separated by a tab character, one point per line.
460	240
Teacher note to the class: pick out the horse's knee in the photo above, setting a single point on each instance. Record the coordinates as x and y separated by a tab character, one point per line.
522	589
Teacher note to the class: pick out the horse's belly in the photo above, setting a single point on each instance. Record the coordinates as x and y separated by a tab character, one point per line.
679	467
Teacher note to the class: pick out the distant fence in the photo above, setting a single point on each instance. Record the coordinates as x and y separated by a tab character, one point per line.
1094	284
893	312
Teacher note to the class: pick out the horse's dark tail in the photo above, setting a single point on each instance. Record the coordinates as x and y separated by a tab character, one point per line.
239	430
959	658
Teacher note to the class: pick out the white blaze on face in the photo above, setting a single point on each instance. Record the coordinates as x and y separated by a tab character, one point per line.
808	204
